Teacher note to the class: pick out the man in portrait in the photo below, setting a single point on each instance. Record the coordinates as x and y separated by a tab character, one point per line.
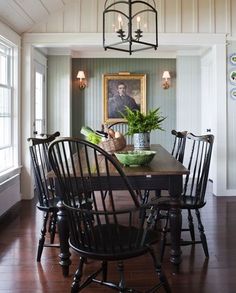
117	103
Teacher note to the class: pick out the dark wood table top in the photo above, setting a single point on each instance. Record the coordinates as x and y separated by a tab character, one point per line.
163	164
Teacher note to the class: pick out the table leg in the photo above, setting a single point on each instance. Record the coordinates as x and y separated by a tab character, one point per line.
63	231
175	231
175	189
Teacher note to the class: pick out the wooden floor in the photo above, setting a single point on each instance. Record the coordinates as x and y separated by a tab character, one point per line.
20	273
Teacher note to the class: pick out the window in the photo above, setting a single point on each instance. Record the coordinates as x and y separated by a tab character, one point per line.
7	108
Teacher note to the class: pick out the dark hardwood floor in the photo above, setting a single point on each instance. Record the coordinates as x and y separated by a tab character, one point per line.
20	273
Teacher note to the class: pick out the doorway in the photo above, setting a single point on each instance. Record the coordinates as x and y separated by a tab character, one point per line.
39	121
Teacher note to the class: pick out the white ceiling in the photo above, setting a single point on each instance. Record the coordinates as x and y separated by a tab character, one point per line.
22	15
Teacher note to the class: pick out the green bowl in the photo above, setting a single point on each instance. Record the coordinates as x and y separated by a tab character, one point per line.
135	158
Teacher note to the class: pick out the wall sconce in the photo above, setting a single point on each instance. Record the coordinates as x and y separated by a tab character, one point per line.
82	80
166	82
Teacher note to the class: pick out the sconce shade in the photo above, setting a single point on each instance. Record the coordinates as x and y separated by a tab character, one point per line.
166	74
81	74
166	82
82	79
125	27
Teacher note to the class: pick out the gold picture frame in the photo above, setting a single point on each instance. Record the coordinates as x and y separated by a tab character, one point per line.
132	88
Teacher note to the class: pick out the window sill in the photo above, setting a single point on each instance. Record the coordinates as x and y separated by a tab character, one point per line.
6	176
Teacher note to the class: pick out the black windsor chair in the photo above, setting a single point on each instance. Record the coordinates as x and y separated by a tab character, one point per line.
100	227
195	183
179	144
177	152
45	189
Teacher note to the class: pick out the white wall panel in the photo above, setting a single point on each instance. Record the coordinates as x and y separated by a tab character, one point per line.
39	28
187	16
35	11
10	195
170	16
161	13
233	17
71	19
100	8
59	94
55	23
51	4
204	19
188	93
220	16
88	16
174	16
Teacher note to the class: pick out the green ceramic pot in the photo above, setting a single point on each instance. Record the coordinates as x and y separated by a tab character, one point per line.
135	158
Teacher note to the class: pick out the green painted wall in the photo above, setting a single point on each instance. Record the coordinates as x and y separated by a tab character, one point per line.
87	104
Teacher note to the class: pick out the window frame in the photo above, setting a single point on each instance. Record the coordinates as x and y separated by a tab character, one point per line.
12	53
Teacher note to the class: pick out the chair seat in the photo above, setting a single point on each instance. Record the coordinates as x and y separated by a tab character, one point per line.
183	202
51	206
120	242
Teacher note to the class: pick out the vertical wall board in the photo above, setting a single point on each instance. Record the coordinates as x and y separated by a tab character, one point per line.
188	92
174	16
170	16
220	16
88	16
233	17
38	28
59	94
55	23
187	16
71	20
161	13
100	7
204	21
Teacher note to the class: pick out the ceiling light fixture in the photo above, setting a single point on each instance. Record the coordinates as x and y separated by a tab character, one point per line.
131	16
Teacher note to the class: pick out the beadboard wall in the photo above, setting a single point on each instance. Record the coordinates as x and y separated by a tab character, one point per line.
59	94
87	104
174	16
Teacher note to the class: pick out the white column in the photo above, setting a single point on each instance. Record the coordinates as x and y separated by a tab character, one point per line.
27	191
220	116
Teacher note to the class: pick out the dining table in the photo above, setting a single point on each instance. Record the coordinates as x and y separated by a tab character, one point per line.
164	172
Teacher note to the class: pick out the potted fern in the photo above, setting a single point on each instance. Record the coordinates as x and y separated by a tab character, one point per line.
140	125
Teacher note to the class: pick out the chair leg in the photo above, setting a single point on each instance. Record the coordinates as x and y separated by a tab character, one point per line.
163	239
202	234
120	268
42	237
53	222
159	271
104	271
191	226
145	196
75	287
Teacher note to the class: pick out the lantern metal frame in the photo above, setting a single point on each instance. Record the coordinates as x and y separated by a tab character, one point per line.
129	36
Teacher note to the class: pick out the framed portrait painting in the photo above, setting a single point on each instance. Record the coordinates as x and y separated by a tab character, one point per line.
121	90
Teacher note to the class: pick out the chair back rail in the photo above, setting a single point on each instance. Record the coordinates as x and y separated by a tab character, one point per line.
198	164
38	148
179	144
